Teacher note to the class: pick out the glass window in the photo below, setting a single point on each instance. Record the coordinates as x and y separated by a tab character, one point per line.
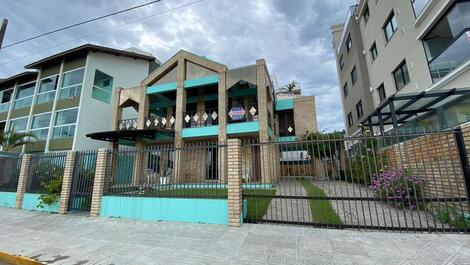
47	89
72	84
390	26
64	126
345	90
350	119
341	62
40	125
24	96
354	75
366	14
349	43
19	125
418	6
5	98
359	111
102	87
401	76
373	51
381	92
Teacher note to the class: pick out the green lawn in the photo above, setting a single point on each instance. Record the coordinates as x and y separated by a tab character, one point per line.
322	211
257	207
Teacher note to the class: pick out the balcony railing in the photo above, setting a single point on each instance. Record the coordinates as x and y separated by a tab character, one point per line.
152	122
456	54
243	113
193	119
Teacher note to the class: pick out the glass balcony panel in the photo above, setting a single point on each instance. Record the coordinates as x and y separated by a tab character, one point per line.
23	102
45	97
4	107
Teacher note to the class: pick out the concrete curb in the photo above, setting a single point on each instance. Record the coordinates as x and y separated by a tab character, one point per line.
17	260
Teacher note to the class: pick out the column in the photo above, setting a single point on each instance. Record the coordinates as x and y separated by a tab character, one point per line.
67	182
235	198
98	184
222	119
263	120
180	109
23	180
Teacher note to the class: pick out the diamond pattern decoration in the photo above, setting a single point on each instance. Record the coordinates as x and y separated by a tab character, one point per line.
122	126
187	118
156	122
205	116
172	120
290	129
214	115
196	117
135	124
253	111
148	123
163	120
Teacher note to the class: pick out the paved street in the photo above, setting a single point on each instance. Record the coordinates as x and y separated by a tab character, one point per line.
57	239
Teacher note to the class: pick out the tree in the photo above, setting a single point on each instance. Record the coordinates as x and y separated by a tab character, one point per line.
11	139
326	145
288	88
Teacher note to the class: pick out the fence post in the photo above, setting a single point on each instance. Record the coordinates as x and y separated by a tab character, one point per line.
23	180
98	185
67	182
462	152
234	176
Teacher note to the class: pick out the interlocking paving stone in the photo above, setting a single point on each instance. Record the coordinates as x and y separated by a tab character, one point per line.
68	239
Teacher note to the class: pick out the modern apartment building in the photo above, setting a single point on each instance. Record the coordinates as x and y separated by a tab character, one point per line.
67	95
404	64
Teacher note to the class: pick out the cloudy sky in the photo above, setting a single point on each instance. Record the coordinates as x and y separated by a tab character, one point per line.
292	35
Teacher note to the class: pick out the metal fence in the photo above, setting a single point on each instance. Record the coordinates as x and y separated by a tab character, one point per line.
10	165
46	173
409	182
82	181
192	171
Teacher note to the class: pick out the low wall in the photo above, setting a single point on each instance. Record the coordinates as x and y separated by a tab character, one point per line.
210	211
7	199
31	200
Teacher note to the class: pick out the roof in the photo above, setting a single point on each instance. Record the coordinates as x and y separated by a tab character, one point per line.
402	108
131	135
80	50
10	81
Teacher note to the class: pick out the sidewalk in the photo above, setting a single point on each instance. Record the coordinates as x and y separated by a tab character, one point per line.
59	239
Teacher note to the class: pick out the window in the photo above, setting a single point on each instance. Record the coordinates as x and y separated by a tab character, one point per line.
341	62
345	90
390	26
381	92
418	6
24	96
359	111
64	126
102	87
350	119
40	125
349	43
401	76
47	89
72	83
354	75
19	125
373	51
366	14
5	98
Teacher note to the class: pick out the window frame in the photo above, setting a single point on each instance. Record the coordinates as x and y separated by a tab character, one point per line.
63	88
20	118
349	43
55	126
102	90
382	88
372	49
341	62
359	107
16	99
47	92
400	68
345	90
32	130
366	14
390	19
350	119
354	81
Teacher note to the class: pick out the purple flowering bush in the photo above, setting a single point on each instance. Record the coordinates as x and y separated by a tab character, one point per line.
399	188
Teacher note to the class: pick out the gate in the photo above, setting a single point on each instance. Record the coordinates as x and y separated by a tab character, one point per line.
402	182
82	182
10	165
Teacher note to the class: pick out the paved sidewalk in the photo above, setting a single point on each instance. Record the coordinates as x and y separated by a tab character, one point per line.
59	239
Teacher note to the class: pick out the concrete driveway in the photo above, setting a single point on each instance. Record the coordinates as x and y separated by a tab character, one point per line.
59	239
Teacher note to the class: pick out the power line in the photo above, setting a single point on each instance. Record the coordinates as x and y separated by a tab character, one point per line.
81	23
101	31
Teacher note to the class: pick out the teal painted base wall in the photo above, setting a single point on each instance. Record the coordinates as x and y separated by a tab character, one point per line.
287	139
7	199
30	202
284	104
210	211
201	131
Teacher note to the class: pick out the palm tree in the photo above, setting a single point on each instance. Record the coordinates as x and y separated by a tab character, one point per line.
11	139
288	88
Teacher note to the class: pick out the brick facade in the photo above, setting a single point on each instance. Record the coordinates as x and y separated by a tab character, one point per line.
234	176
99	181
67	182
23	180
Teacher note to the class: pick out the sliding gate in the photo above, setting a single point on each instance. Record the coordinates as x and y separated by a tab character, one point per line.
406	182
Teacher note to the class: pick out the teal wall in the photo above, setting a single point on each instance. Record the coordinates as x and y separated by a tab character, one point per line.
207	80
30	202
284	104
200	131
287	139
243	127
209	211
161	88
7	199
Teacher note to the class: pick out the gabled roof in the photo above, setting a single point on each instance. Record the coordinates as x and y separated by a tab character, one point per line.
82	50
10	81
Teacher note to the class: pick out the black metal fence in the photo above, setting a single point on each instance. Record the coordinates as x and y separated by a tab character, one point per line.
406	182
46	173
82	181
192	171
10	165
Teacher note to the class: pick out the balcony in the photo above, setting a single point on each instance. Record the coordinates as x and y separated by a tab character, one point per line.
202	118
456	54
152	122
248	113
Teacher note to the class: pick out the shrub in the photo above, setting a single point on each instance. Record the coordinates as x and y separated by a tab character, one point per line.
400	188
53	188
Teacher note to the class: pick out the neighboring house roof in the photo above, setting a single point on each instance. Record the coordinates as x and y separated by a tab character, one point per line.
81	50
10	81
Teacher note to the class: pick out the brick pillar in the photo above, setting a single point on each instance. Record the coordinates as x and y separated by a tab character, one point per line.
67	182
23	180
234	182
180	109
98	185
222	119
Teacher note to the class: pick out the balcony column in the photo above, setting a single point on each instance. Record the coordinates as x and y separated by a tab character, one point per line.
139	163
261	85
222	121
180	109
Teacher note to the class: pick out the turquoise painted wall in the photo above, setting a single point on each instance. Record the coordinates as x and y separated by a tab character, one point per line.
200	131
284	104
287	139
209	211
161	88
206	80
243	127
30	202
7	199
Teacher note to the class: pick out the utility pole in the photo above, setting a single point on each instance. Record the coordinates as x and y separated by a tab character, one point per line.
3	29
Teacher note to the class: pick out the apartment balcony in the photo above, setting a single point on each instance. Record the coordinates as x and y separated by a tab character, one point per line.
152	122
243	119
203	123
454	56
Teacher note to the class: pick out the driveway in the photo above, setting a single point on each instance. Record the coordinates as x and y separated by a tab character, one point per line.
59	239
